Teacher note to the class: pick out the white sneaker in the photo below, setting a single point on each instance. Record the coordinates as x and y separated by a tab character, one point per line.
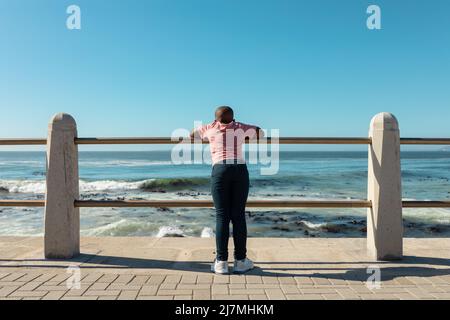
220	267
242	266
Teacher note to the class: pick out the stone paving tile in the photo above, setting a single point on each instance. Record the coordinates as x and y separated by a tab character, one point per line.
253	279
202	294
275	294
287	280
439	295
76	292
29	277
303	281
54	295
108	278
221	278
229	297
181	297
205	278
128	295
257	297
246	291
99	286
18	293
107	298
53	288
168	286
139	280
269	280
332	296
155	298
219	289
148	290
347	293
321	281
13	277
263	285
101	293
194	286
188	279
173	278
163	292
3	275
30	286
234	278
6	291
79	298
406	296
303	297
156	279
124	278
290	289
118	286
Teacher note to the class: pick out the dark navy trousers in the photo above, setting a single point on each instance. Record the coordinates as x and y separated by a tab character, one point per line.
229	189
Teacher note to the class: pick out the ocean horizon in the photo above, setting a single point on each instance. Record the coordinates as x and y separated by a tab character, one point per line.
306	175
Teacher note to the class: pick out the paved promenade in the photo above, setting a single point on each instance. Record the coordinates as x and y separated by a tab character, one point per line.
178	268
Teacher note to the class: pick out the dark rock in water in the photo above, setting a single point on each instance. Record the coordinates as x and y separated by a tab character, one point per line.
435	229
281	228
278	219
3	189
306	233
173	235
163	209
332	228
158	190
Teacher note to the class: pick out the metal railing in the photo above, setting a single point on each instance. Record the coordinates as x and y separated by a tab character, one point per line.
282	140
359	203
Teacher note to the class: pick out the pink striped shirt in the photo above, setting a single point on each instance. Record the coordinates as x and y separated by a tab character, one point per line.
226	140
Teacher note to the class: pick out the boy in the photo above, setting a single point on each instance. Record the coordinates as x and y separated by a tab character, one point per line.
229	185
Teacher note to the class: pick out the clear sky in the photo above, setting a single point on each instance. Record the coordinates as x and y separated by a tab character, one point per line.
145	68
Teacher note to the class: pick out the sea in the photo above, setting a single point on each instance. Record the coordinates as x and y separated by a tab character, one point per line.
305	175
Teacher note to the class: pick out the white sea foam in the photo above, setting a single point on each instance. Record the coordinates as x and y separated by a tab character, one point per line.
169	231
38	186
207	232
313	226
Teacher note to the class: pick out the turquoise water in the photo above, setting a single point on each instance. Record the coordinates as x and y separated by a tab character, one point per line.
151	175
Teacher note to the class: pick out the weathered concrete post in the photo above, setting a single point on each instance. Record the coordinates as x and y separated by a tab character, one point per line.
62	219
384	219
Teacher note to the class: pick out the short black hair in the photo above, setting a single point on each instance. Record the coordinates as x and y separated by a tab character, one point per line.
227	109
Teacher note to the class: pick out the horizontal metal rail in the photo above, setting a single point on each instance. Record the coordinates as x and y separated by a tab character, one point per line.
426	141
426	204
282	140
22	203
22	142
209	204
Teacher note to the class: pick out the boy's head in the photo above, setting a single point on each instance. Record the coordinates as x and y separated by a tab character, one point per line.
224	114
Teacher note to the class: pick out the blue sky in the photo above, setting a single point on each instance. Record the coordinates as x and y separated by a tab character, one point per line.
145	68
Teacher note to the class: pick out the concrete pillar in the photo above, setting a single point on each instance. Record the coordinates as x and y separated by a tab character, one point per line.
62	219
384	219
